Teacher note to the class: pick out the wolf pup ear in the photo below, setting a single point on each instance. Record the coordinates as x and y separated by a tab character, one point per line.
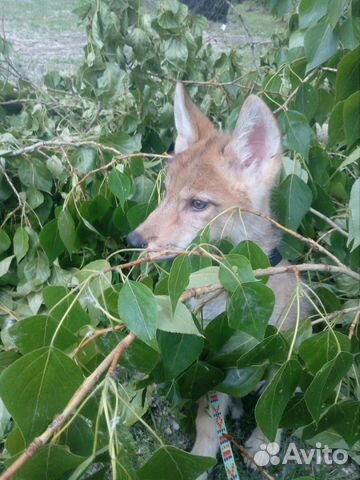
255	145
191	124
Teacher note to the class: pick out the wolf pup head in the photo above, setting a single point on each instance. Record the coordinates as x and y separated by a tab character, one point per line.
212	175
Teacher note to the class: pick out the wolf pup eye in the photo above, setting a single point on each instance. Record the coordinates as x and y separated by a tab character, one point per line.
199	204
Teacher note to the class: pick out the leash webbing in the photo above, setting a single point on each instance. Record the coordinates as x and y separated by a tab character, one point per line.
225	445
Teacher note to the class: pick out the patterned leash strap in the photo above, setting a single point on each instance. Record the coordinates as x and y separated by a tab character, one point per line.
225	445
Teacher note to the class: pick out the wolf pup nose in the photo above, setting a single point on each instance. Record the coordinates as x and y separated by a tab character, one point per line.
136	240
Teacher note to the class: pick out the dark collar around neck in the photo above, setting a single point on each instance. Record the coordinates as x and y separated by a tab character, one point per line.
274	257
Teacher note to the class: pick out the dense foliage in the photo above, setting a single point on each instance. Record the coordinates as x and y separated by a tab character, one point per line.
73	184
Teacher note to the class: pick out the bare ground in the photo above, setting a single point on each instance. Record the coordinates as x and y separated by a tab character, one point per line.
46	35
51	40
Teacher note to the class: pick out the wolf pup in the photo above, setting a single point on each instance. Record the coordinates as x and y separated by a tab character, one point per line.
211	176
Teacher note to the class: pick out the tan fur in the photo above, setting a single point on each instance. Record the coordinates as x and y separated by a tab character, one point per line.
204	171
231	172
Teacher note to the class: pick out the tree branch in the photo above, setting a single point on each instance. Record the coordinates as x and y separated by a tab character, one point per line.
246	454
51	144
297	235
85	388
260	272
329	221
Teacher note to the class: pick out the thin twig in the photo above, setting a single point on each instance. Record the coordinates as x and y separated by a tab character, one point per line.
353	324
118	352
85	388
331	316
329	221
306	267
297	235
248	33
197	292
50	144
246	454
151	256
294	92
120	157
95	334
260	272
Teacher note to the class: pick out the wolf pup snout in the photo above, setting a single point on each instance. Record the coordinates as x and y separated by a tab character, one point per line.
136	240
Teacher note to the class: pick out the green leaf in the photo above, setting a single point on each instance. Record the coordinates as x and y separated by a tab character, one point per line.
296	131
354	219
218	332
336	126
179	321
335	11
66	227
140	357
320	44
5	241
348	74
63	307
178	351
293	200
137	309
45	327
273	348
203	277
326	104
325	382
239	382
343	417
272	403
307	100
169	462
250	308
236	346
234	270
50	240
349	32
34	173
138	40
45	381
5	265
310	11
199	379
120	185
79	436
50	462
350	159
250	250
7	358
123	141
34	197
21	243
178	278
84	160
323	347
352	118
296	413
280	7
97	274
176	52
36	269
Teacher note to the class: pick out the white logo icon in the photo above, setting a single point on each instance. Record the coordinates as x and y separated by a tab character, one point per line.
268	455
